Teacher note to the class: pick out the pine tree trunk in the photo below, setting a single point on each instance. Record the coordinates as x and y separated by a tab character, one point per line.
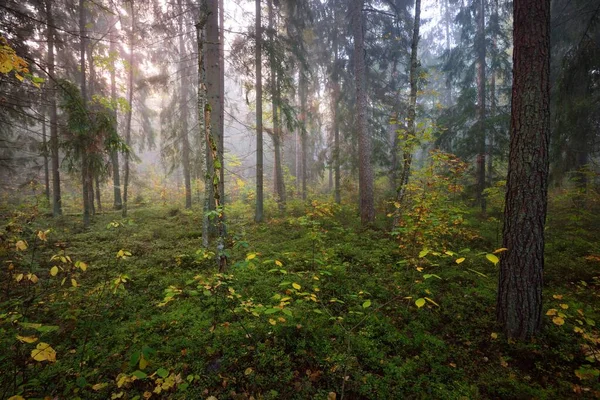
492	133
213	87
221	108
258	217
303	133
278	183
365	168
45	154
519	303
202	95
335	116
85	168
480	48
114	155
129	109
183	107
98	194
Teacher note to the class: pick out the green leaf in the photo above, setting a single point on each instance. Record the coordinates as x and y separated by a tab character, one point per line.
287	312
271	310
139	374
423	253
366	304
163	373
420	302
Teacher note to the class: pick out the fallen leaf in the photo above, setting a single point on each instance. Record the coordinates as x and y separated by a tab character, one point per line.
43	352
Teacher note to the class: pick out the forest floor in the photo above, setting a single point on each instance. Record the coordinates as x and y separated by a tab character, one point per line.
311	307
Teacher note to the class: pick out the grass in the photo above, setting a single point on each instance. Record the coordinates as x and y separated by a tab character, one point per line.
312	306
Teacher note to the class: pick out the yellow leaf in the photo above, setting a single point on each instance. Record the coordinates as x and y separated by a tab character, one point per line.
420	269
557	296
494	335
81	265
99	386
331	396
492	258
43	352
577	330
272	321
19	77
551	312
420	302
42	236
281	319
431	301
459	260
423	253
500	250
21	245
278	263
558	321
54	271
248	371
147	395
73	283
27	339
19	277
250	256
564	306
396	204
33	278
296	286
17	397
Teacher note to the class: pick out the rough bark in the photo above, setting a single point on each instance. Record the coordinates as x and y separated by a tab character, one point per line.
183	108
303	133
200	25
221	108
335	117
258	217
481	137
54	155
45	154
365	168
114	155
519	303
492	133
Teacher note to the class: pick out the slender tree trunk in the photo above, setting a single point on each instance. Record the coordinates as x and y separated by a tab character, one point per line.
258	217
480	49
303	89
129	109
278	183
45	154
365	169
92	174
56	198
492	133
447	23
412	109
335	117
519	303
114	155
213	86
85	171
183	108
98	194
221	109
202	95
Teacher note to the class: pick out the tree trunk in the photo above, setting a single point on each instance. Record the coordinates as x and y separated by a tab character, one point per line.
412	110
258	217
480	49
129	109
365	169
221	108
519	303
278	183
54	155
335	110
183	107
202	17
303	133
45	154
85	168
492	133
114	155
98	194
213	85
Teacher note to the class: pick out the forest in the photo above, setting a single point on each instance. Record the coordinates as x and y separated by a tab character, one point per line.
299	199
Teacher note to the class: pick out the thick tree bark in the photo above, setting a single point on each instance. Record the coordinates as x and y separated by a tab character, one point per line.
129	109
183	108
221	108
481	137
365	168
412	109
335	110
114	155
98	194
492	133
519	303
258	217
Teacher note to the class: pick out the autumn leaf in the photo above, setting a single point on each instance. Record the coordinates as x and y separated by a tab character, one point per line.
494	336
21	245
460	260
420	302
278	263
272	321
296	286
54	271
551	312
248	371
558	321
26	339
492	258
43	352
